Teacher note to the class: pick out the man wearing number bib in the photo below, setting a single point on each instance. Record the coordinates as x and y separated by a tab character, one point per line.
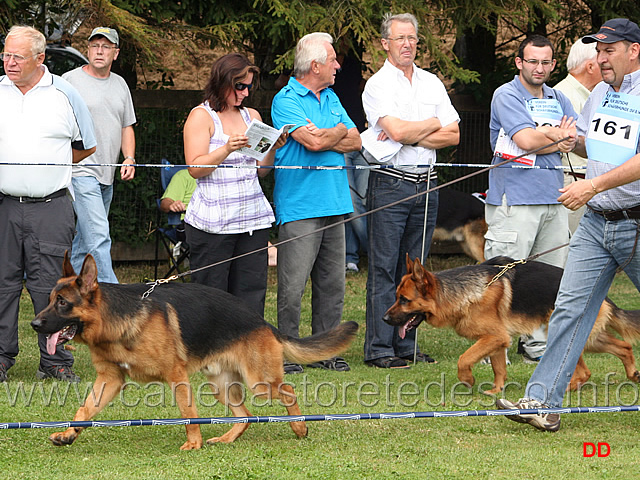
522	211
608	234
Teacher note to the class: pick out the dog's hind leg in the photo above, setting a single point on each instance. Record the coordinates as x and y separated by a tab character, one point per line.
607	343
104	389
268	382
229	390
580	376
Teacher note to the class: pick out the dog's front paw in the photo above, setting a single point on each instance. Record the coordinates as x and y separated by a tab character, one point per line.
189	445
64	438
493	391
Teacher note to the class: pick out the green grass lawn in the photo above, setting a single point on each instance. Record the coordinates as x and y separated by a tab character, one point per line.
434	448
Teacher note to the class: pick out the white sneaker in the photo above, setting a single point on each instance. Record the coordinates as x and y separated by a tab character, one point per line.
352	267
549	422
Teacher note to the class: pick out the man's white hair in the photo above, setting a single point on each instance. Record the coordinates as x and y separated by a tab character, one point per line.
310	48
580	52
389	18
37	40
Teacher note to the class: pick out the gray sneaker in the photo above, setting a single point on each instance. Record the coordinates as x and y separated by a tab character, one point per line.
549	422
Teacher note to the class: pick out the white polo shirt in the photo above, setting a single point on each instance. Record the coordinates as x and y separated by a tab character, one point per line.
39	127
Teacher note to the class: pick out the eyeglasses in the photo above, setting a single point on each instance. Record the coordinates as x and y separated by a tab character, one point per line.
401	39
534	63
241	86
19	59
98	46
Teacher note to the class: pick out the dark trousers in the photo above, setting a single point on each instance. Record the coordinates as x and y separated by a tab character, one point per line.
245	277
393	232
33	237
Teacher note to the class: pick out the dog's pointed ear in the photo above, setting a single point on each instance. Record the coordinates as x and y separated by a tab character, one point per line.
409	264
417	271
88	278
67	268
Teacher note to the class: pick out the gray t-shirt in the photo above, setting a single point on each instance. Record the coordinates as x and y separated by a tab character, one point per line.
110	104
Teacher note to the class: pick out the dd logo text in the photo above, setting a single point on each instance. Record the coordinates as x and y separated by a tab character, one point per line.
601	449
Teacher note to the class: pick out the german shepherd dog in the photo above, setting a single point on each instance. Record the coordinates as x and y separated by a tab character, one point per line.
178	329
518	302
461	219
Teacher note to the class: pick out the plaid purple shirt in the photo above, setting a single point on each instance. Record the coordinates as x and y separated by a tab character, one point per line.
229	200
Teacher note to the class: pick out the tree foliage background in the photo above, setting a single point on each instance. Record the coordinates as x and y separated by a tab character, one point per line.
485	31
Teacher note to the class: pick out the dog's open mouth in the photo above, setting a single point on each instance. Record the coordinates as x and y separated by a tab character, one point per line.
411	324
64	335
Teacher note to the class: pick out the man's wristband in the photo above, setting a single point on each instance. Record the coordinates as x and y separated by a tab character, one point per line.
595	192
129	157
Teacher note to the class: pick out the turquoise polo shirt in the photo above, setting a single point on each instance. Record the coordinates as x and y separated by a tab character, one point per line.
300	194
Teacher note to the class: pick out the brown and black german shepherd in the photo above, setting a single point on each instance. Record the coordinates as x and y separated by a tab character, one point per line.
178	329
518	302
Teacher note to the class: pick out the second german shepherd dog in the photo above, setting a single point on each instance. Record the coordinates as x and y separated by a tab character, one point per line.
518	302
178	329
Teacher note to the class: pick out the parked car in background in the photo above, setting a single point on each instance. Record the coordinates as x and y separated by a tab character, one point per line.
60	59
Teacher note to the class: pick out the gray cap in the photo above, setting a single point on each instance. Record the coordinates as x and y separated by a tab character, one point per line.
108	33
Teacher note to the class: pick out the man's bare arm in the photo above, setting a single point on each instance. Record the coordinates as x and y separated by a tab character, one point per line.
408	132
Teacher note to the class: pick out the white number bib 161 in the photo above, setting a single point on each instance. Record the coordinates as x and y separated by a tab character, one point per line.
613	132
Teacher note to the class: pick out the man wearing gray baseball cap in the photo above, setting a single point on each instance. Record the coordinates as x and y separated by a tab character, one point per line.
608	235
109	101
108	33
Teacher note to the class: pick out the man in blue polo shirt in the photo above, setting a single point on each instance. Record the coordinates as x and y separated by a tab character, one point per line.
522	211
307	200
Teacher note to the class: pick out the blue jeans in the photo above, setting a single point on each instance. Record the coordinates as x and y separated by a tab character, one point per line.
597	248
355	231
393	232
91	204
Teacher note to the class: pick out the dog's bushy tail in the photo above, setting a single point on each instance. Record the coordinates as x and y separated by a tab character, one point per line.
625	322
320	346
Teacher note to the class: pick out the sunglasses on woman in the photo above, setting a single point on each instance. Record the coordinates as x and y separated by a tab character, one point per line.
241	86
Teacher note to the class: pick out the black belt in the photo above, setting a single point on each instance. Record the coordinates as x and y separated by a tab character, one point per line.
575	174
632	213
411	177
48	198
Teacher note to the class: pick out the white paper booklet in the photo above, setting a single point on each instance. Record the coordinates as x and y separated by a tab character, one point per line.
381	151
262	137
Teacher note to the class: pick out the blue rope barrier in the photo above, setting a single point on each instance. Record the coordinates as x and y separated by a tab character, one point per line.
314	418
301	167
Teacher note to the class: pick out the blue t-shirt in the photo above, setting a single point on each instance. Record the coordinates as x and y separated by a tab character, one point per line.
523	186
299	194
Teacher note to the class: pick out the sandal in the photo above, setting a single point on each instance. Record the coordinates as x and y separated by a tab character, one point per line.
387	362
292	368
336	363
421	357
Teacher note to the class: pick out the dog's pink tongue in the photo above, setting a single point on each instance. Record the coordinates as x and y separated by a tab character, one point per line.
52	342
403	330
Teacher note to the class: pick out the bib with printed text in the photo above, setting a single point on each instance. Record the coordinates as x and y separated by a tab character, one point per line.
545	112
613	132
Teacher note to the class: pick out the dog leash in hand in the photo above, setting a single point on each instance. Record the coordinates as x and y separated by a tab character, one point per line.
511	265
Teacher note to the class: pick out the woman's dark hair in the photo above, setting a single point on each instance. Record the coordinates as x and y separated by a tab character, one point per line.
225	73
